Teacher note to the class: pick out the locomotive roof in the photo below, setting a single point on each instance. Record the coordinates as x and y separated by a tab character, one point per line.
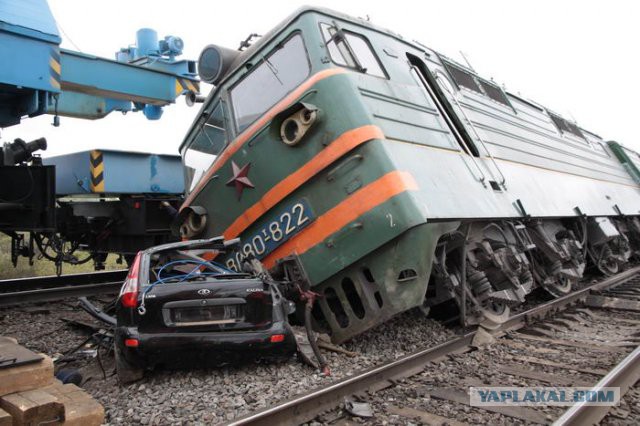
248	53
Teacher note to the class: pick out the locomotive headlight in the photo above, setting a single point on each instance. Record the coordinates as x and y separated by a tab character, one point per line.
293	128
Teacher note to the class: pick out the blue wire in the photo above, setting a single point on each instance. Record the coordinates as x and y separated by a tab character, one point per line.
187	275
175	262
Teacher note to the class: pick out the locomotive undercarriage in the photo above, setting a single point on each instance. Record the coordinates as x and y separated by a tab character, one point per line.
609	247
487	268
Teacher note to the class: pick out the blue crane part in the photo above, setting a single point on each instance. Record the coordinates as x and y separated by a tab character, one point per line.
29	77
116	172
101	200
41	78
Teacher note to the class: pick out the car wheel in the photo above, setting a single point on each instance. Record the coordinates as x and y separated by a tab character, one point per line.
127	373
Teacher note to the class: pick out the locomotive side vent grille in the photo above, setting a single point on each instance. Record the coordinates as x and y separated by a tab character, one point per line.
353	297
407	275
336	307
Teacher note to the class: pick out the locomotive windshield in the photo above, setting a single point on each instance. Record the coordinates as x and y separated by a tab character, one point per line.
206	146
269	81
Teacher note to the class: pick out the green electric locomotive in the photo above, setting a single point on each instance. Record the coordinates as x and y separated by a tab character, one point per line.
383	176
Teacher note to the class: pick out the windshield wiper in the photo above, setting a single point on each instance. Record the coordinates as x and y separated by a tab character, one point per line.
273	70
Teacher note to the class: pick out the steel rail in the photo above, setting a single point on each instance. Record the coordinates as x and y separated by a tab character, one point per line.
623	376
52	281
306	407
58	293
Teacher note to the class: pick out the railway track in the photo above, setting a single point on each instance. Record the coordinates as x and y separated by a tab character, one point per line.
553	344
50	288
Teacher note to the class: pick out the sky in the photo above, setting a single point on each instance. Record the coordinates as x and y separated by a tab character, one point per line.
577	58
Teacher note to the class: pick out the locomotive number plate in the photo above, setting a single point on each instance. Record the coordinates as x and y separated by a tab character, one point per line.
288	222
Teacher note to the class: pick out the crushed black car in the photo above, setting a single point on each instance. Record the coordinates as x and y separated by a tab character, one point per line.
176	309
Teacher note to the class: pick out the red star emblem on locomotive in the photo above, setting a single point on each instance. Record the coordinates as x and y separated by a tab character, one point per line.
240	179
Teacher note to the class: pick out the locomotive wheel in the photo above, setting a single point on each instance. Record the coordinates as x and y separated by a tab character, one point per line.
494	315
608	266
560	287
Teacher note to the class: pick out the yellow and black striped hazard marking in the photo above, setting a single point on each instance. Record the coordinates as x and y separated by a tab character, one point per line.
97	171
54	68
184	85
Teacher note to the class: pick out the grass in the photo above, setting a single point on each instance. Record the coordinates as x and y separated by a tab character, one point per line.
42	266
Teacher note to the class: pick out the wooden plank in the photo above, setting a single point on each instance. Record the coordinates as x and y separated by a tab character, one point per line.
612	302
540	331
33	407
561	342
608	319
14	355
554	327
424	417
7	339
633	290
80	408
570	367
26	377
571	325
527	347
587	335
522	413
5	418
580	325
540	376
633	295
83	411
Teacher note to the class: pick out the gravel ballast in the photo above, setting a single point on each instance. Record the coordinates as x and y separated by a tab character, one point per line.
211	395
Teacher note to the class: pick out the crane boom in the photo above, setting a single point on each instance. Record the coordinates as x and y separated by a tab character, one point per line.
41	78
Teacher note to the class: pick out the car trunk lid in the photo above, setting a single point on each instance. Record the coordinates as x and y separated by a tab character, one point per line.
212	305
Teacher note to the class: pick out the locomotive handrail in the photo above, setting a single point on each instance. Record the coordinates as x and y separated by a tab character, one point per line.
475	131
457	135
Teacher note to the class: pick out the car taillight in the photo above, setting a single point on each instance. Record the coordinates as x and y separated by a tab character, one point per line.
277	338
129	292
131	343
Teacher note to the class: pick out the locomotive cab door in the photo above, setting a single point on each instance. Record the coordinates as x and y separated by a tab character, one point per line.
424	75
436	92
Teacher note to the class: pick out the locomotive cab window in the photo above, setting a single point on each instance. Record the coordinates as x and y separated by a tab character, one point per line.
351	50
208	143
269	81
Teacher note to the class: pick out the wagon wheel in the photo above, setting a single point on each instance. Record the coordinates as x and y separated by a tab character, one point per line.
608	266
491	313
605	261
494	314
560	286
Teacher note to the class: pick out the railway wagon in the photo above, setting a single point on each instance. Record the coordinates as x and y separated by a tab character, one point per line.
381	175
